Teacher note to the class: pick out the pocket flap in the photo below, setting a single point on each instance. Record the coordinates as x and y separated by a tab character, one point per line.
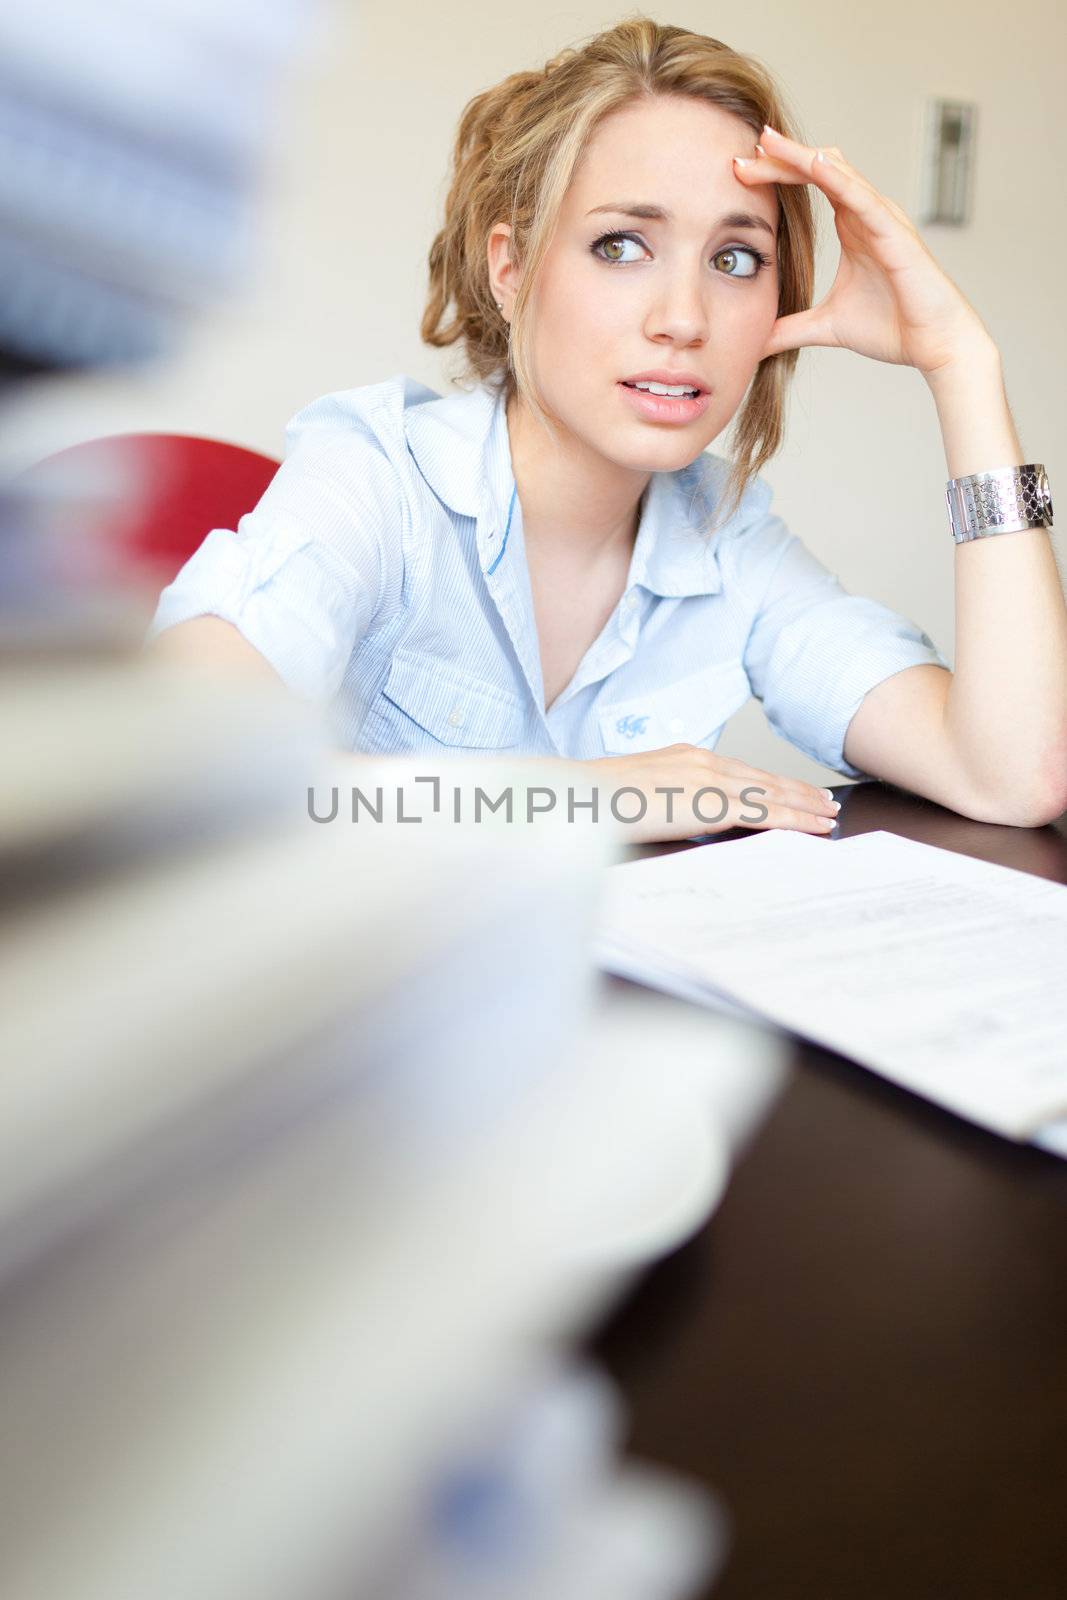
454	706
690	711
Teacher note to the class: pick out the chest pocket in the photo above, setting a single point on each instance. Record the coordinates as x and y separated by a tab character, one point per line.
691	711
425	703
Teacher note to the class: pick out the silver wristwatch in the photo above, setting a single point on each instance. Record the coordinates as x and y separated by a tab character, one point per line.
1004	501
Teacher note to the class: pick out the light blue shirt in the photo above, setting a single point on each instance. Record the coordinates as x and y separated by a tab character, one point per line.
383	575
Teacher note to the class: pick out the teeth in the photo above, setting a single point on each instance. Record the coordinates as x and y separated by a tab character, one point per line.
666	388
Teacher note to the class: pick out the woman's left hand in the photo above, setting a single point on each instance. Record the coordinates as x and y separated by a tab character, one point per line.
890	299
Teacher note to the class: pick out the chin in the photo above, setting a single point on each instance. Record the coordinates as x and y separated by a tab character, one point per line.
635	445
650	450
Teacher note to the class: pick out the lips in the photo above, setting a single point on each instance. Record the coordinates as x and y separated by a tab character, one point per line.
674	410
688	380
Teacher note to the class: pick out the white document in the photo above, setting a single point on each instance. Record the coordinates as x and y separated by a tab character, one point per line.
945	974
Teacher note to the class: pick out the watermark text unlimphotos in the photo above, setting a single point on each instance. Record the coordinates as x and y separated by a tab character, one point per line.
708	806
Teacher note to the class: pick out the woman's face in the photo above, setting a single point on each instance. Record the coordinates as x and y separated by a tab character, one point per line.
662	267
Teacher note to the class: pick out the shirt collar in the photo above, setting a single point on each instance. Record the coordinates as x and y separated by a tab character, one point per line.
674	555
460	445
455	441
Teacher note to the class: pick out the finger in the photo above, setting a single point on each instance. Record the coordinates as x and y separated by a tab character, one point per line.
785	817
755	797
793	791
784	160
842	189
813	158
759	805
826	159
799	331
804	797
798	164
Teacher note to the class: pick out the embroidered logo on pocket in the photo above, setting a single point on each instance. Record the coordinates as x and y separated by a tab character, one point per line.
630	727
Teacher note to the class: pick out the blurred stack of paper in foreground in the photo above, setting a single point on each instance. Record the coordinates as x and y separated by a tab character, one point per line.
318	1146
942	973
131	151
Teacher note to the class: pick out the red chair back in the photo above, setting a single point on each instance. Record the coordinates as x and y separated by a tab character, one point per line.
162	493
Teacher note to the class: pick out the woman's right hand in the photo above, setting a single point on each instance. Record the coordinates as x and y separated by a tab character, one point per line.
735	795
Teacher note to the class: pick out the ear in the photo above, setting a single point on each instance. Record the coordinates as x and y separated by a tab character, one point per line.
503	273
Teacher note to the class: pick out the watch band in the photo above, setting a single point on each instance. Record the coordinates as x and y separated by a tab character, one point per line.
1007	500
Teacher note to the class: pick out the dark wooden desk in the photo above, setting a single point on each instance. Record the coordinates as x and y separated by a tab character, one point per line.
864	1354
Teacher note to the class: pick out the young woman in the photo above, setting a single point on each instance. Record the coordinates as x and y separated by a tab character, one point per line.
548	562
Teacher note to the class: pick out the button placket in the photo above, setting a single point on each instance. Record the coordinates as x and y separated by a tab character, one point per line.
514	609
602	659
628	624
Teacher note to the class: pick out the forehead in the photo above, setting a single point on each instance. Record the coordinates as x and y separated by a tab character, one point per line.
671	151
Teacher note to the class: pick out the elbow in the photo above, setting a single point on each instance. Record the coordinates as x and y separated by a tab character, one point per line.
1045	811
1038	814
1049	803
1040	800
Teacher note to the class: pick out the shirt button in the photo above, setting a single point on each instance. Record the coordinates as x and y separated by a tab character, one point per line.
630	601
455	717
676	725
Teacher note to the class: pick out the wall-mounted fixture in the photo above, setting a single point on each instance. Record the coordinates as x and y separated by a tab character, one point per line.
948	160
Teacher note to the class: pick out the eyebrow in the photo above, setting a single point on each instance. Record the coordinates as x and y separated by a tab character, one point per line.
634	208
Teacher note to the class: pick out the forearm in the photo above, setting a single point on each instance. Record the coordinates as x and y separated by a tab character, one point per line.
1006	709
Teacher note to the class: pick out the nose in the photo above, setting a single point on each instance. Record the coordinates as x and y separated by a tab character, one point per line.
679	314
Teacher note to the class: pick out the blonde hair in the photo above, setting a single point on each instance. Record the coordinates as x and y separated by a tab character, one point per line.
516	150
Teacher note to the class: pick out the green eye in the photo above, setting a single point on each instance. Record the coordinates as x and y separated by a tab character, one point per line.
737	263
613	247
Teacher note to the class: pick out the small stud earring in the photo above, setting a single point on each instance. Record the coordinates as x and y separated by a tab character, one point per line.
500	305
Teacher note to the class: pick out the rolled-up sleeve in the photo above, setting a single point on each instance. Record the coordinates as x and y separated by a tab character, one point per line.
814	650
302	574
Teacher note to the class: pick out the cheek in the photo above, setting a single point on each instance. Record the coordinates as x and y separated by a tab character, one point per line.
572	316
751	311
551	311
746	328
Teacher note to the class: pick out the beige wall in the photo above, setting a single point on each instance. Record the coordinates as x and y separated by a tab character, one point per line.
358	183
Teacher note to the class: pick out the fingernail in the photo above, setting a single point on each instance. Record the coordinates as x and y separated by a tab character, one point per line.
829	793
827	823
768	129
836	804
744	161
760	150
